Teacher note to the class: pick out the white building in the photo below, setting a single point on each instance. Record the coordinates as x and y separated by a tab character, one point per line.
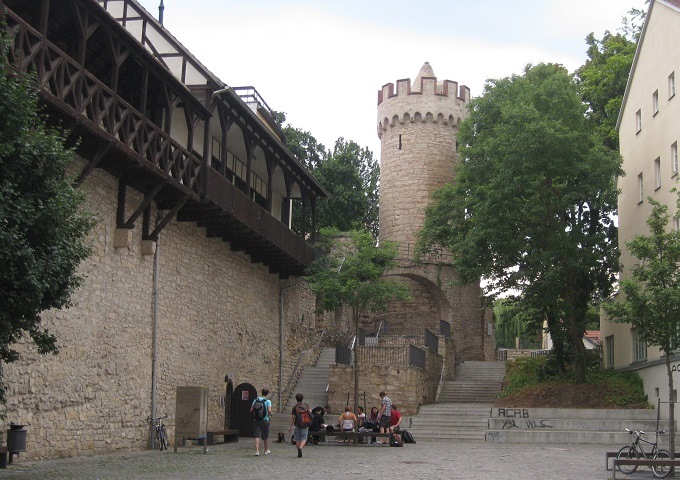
649	130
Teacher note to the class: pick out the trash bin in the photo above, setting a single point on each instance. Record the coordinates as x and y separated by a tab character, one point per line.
16	438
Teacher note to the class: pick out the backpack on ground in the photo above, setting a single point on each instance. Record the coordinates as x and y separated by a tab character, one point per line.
259	409
303	417
406	437
395	441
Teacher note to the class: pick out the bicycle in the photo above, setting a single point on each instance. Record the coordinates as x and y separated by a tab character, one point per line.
635	450
161	433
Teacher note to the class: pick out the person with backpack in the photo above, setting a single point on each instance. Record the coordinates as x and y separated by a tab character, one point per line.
261	412
301	418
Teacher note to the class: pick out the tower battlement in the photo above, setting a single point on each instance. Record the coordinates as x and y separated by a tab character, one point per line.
424	101
424	86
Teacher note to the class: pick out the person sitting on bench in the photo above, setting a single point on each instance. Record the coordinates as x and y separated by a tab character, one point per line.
347	421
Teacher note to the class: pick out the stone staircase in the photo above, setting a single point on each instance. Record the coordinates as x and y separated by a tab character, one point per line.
312	384
464	405
476	382
566	425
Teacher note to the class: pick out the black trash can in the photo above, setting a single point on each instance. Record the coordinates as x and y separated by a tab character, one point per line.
16	438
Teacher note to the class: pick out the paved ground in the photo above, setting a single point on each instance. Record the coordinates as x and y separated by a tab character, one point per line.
424	460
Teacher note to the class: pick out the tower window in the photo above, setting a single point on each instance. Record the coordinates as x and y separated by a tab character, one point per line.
400	141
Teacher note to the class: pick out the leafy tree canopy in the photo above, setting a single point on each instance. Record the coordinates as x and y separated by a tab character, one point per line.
350	174
42	239
602	79
532	206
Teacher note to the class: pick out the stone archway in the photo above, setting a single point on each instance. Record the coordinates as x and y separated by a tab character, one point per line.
437	297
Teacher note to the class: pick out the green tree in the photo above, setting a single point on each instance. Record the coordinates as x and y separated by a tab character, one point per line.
650	300
514	322
602	79
43	229
351	176
531	209
351	274
349	173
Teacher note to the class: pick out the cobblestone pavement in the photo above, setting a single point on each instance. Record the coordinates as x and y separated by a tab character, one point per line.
424	460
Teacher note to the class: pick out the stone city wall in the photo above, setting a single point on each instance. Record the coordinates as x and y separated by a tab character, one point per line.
218	314
407	386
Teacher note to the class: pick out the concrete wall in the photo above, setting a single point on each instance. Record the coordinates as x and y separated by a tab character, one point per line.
218	315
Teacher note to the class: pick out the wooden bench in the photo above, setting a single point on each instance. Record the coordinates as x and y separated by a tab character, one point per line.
608	455
3	457
353	436
227	435
644	462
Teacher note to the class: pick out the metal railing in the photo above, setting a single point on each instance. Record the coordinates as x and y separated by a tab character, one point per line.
431	341
409	251
502	355
343	355
397	355
416	356
445	328
295	373
539	353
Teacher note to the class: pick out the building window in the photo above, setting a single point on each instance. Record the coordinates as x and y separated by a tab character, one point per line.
671	85
639	347
641	192
657	173
674	158
609	351
676	223
638	121
655	102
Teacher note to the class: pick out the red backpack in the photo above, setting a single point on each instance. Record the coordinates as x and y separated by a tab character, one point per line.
303	417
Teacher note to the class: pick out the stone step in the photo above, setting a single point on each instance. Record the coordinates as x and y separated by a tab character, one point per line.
558	436
594	413
575	424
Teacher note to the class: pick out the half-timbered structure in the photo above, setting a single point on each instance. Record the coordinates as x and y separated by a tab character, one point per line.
164	149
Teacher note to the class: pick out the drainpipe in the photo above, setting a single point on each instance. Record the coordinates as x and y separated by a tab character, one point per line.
154	340
280	403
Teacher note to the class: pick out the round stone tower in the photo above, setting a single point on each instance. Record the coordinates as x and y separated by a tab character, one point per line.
417	126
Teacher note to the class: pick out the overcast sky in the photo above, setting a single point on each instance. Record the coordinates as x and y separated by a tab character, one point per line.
323	61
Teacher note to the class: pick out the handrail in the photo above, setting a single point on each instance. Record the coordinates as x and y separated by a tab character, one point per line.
294	372
377	332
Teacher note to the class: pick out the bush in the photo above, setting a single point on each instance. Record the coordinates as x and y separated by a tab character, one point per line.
530	379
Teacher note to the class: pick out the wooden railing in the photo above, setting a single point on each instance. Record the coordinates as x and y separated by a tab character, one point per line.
69	87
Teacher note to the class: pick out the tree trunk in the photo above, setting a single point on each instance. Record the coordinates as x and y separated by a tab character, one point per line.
671	407
356	361
558	343
576	339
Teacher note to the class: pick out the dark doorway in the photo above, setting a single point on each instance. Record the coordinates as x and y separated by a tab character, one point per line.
228	396
241	401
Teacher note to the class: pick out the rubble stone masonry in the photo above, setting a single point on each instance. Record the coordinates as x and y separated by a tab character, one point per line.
218	315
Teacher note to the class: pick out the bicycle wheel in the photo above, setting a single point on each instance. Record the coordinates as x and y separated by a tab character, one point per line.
163	438
631	453
661	471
